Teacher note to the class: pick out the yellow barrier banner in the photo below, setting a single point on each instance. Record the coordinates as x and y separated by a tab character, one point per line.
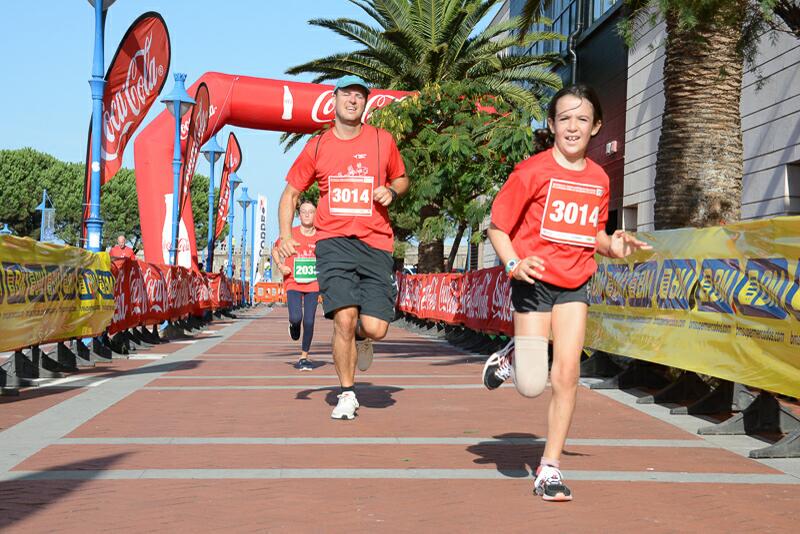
722	301
52	292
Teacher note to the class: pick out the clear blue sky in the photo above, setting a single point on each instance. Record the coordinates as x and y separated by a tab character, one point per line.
45	101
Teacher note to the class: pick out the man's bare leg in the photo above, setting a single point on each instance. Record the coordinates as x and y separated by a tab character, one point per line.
344	345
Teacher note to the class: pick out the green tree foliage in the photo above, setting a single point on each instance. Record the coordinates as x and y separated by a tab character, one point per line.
461	145
24	173
419	42
416	44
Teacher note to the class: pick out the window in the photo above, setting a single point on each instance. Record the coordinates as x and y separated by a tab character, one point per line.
630	218
599	8
792	200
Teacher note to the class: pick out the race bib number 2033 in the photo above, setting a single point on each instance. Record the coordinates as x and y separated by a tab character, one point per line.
571	213
305	270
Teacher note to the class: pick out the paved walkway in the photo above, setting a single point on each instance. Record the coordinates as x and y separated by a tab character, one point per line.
220	432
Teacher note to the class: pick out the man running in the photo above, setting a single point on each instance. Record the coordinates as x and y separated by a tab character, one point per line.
300	281
360	172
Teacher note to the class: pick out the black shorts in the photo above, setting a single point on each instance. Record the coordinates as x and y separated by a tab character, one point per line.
352	273
541	296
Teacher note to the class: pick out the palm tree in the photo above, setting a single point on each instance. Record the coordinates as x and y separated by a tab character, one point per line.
416	43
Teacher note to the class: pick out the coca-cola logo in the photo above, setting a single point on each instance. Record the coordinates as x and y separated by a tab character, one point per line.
127	105
179	289
429	293
476	301
138	300
501	298
155	289
449	297
324	106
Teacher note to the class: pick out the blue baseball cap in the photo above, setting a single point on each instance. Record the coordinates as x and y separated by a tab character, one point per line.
350	80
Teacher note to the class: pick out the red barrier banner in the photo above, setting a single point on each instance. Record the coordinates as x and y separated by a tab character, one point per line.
178	282
233	159
156	293
201	292
220	289
134	80
480	300
130	297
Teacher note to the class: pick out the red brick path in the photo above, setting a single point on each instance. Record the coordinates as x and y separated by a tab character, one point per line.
397	406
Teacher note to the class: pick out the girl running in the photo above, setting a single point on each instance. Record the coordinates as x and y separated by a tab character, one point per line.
300	282
548	220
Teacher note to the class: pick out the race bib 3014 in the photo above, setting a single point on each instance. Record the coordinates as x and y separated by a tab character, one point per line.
571	213
350	196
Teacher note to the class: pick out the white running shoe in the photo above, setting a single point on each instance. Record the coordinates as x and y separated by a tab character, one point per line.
365	353
498	368
550	486
346	407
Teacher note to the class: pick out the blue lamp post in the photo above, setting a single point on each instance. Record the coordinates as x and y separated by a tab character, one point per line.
46	233
178	102
212	151
94	224
253	259
233	182
245	202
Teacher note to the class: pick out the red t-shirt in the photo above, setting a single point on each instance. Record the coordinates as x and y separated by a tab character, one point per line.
121	252
304	266
348	171
554	213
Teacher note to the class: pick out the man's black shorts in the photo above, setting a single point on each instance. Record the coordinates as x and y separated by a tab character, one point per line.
541	296
352	273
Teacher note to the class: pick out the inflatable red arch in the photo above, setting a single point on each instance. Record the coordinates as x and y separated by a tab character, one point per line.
245	101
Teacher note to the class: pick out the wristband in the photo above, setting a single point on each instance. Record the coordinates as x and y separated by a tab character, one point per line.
393	192
511	265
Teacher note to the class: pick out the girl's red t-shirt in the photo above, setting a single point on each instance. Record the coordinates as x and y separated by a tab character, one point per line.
554	213
348	172
304	265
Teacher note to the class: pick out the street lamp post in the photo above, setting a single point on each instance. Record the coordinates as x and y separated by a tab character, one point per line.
94	224
233	183
46	233
244	201
253	258
212	151
178	103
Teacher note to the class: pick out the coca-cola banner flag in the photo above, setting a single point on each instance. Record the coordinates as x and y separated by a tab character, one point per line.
134	79
243	101
233	160
480	300
198	124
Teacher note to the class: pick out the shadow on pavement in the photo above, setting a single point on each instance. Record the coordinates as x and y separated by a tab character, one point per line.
29	494
369	396
512	459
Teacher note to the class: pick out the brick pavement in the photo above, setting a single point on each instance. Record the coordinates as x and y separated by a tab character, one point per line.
220	432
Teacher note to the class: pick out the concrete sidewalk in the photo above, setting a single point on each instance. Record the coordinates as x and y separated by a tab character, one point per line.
221	432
